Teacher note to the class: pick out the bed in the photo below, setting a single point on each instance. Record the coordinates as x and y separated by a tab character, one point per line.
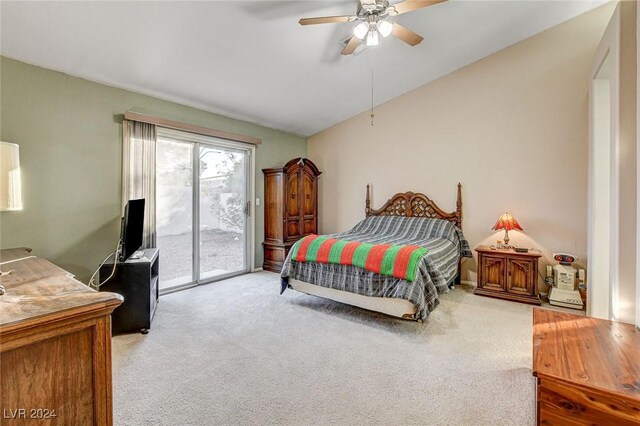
406	218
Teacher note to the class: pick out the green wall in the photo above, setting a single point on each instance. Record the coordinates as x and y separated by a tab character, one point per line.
70	136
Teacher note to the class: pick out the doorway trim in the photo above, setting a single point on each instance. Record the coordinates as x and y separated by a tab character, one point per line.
609	49
637	322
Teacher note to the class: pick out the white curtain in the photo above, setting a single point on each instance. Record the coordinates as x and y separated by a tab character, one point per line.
139	172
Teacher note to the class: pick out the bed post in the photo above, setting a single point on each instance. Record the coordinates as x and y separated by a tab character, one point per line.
459	220
459	206
367	204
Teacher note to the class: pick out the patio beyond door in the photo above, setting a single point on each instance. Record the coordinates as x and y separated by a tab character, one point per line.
202	218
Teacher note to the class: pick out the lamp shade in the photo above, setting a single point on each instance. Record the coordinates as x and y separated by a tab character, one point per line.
385	28
361	30
508	222
10	182
372	38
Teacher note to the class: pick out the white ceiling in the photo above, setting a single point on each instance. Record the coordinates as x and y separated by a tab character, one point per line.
251	60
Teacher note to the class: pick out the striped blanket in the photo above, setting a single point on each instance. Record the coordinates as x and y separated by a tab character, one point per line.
395	260
436	270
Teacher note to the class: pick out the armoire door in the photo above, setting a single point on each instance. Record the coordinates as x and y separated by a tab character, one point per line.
308	202
293	206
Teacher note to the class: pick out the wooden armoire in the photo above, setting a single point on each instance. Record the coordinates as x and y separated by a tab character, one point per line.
290	208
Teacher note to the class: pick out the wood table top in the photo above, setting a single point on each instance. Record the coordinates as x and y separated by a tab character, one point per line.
510	252
14	253
587	351
36	289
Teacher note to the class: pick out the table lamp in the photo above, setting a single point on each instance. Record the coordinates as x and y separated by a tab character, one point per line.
507	222
10	183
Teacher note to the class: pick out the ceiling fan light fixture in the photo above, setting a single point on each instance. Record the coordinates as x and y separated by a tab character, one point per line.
385	28
370	22
372	38
361	30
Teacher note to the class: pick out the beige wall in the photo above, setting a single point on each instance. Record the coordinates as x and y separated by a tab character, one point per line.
512	128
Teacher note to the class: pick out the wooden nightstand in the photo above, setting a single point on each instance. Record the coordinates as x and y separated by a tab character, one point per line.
506	274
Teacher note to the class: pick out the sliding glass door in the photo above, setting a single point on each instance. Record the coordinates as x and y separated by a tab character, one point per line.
202	218
174	211
223	212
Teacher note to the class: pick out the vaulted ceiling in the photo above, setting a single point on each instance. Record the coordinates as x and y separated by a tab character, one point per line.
252	61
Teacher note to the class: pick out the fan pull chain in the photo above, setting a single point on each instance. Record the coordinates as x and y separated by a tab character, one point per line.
372	115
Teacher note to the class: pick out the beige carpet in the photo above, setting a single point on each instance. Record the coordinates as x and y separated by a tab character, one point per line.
236	352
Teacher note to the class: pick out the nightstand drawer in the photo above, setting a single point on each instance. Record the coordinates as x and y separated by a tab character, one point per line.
492	273
520	276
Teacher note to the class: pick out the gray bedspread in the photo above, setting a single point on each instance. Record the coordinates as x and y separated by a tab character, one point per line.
443	240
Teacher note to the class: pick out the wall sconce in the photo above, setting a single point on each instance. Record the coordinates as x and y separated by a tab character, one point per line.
10	181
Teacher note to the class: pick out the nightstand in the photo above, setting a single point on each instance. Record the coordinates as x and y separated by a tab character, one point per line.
505	274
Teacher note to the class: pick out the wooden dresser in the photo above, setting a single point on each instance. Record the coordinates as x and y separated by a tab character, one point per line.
587	370
506	274
55	345
290	208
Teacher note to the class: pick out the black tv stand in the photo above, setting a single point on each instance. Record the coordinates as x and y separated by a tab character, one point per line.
137	281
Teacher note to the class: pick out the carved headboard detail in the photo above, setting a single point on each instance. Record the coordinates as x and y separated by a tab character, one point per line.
411	204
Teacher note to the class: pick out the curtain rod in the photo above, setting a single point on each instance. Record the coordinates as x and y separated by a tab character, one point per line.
163	122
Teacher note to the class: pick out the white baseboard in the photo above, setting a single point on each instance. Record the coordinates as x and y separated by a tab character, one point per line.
258	269
467	282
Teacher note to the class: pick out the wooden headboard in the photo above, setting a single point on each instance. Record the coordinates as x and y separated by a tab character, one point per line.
411	204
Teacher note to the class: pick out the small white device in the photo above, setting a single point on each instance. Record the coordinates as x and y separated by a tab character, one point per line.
565	277
564	293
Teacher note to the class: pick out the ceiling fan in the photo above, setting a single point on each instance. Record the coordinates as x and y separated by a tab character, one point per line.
372	14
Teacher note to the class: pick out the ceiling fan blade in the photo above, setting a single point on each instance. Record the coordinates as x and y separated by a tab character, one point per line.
406	34
327	20
351	46
371	2
410	6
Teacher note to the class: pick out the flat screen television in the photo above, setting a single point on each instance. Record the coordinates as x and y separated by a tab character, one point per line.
131	230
